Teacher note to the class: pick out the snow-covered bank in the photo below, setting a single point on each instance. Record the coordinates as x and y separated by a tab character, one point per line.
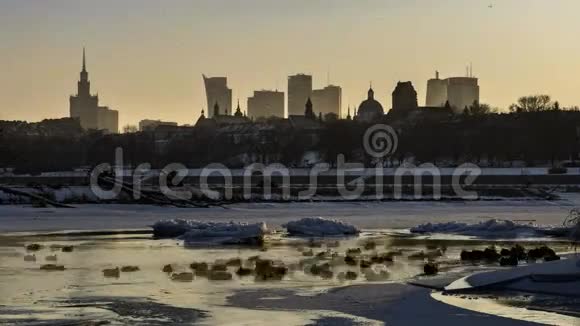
367	215
64	194
492	228
320	227
219	232
559	278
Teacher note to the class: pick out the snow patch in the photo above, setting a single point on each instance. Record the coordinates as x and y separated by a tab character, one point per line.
218	232
320	227
492	228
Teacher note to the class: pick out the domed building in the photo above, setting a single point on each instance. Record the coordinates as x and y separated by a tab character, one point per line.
370	109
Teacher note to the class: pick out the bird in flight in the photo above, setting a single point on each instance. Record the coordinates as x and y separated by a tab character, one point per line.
490	5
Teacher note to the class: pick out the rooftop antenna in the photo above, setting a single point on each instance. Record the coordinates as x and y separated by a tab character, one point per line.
471	69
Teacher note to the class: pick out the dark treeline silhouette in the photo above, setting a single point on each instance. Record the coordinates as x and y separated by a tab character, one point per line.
534	132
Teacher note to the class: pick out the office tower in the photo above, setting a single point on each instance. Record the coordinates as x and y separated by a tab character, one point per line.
264	104
327	100
460	92
299	90
217	91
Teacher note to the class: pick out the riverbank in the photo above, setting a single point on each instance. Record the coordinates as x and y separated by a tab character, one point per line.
366	215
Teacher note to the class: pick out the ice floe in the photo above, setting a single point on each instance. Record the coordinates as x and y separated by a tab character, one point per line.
492	228
219	232
320	227
558	277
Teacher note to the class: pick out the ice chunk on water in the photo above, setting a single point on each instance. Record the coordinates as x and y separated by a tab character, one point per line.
319	226
222	232
491	228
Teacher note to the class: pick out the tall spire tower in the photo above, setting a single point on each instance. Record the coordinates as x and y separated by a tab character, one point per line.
84	61
84	86
85	107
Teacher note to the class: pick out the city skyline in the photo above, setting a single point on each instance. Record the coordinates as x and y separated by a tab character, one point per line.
150	68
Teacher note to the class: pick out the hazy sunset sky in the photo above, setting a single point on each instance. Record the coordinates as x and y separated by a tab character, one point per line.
145	57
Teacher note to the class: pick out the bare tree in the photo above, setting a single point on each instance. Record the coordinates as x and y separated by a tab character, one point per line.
480	109
130	129
532	103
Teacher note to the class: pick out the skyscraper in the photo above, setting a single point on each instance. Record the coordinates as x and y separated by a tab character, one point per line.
85	106
217	91
299	90
460	92
436	92
327	100
266	104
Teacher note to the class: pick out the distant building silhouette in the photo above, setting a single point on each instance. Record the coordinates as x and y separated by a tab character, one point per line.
266	104
239	112
217	91
221	120
404	97
299	90
63	127
436	92
85	106
308	111
216	110
458	92
327	100
146	125
370	109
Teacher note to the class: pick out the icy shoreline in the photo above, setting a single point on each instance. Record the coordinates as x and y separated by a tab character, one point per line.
367	215
492	228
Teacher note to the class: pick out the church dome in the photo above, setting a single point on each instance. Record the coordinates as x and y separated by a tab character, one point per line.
370	109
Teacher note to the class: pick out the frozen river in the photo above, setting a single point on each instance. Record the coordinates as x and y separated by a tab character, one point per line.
81	293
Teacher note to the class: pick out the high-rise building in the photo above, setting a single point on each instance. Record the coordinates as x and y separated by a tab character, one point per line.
85	107
266	104
299	90
436	92
459	92
404	97
462	92
217	91
327	100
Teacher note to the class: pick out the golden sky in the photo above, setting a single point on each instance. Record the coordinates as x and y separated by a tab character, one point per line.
145	57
